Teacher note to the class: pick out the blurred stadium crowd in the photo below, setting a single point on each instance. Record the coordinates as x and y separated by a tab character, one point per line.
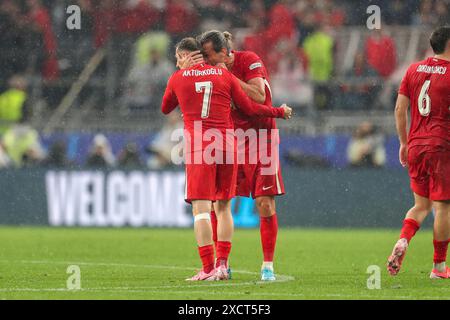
300	41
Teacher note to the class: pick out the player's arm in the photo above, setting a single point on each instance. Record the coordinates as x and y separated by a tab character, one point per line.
401	122
170	100
251	108
255	88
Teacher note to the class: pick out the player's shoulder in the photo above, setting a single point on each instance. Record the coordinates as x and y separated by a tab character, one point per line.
413	67
247	57
176	74
428	65
418	63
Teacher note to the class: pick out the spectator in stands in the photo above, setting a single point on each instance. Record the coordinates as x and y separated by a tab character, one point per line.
319	49
290	80
145	83
366	148
381	53
305	19
13	102
359	91
162	146
398	12
122	17
20	44
181	19
22	144
281	23
57	156
425	16
255	39
442	13
100	154
219	14
328	12
4	159
129	156
40	17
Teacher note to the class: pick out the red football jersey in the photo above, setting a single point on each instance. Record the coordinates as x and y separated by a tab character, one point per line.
247	65
204	94
427	85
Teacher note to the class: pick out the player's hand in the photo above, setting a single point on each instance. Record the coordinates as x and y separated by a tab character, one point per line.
287	111
189	60
403	155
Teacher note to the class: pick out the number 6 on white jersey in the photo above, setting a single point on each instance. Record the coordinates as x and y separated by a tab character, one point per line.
424	102
207	86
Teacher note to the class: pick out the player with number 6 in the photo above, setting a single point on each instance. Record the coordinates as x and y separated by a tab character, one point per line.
425	150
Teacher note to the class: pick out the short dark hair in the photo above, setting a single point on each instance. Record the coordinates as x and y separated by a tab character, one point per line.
187	44
218	39
439	39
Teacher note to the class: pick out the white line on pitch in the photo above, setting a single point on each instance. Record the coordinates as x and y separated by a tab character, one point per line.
280	278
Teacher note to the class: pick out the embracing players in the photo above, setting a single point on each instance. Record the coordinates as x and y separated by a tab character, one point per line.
262	180
425	151
204	94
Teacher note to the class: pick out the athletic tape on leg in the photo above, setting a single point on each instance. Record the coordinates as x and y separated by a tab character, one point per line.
202	216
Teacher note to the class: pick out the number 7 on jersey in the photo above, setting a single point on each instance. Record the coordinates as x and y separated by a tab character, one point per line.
206	87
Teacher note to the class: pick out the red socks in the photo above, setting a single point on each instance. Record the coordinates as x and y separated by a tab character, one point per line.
440	251
214	227
269	229
223	251
410	227
222	248
207	256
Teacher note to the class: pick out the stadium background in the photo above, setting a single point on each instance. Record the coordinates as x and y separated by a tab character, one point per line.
83	141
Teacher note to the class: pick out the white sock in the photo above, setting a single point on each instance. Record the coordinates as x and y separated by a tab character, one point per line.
268	265
439	266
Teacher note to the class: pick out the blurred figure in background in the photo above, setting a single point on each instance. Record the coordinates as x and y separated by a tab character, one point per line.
57	156
22	145
4	159
358	91
129	156
366	148
162	146
381	53
145	83
100	154
289	79
12	103
40	18
319	49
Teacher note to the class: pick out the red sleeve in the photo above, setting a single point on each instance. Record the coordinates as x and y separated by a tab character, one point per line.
249	107
170	100
253	67
404	85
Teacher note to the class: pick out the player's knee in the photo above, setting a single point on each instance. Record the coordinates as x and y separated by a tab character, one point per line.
442	207
266	206
423	207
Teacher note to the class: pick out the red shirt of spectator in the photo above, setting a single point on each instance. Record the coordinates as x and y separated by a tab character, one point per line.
180	18
281	24
40	16
381	54
137	19
108	19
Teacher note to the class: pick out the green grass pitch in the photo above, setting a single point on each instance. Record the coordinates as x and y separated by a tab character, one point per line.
153	263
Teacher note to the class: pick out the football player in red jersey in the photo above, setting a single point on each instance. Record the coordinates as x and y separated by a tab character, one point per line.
204	94
425	150
253	178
